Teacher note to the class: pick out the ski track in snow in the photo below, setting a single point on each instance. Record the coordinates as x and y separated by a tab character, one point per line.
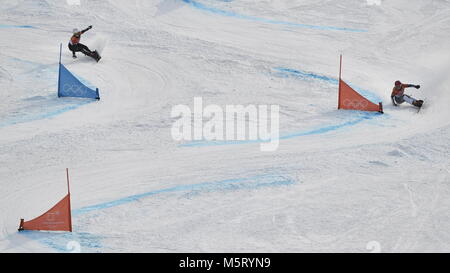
93	243
46	111
304	75
203	7
281	72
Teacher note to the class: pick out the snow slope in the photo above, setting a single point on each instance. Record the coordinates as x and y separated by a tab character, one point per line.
340	179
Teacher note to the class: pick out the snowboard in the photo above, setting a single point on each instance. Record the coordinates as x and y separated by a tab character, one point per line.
99	44
97	56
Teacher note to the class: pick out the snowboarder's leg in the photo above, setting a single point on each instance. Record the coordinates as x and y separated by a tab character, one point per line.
85	50
413	101
408	99
73	49
399	100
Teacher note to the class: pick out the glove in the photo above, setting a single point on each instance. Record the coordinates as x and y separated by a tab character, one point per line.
89	27
417	86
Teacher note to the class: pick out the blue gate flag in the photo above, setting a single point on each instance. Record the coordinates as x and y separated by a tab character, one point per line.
70	86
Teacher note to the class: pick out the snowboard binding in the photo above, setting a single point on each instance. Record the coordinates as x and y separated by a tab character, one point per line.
418	103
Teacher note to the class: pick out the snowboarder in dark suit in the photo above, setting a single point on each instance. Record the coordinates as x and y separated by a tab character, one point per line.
76	46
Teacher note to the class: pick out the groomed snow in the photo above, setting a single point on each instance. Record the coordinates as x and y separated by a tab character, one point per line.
339	180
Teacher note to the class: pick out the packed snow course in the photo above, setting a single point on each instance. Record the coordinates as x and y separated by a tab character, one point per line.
341	181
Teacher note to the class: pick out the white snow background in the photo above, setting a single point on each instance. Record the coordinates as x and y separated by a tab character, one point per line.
341	181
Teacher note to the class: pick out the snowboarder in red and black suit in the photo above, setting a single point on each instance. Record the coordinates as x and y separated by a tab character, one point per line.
398	95
76	46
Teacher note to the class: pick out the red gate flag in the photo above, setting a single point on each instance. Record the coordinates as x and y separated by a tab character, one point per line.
349	99
58	218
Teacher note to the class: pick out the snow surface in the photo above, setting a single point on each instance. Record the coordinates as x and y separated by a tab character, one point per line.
341	181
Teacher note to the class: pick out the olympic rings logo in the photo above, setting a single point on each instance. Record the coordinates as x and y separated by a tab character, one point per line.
356	104
76	90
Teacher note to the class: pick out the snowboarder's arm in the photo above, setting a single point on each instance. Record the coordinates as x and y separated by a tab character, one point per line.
393	101
88	28
412	85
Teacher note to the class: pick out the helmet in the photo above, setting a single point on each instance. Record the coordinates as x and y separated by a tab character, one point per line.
397	83
75	30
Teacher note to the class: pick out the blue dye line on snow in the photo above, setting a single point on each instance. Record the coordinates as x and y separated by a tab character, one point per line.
326	129
306	75
318	131
203	7
59	240
309	75
229	184
43	115
17	26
